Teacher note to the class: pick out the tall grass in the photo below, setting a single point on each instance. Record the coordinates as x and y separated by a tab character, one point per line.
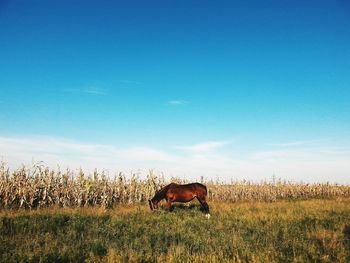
38	186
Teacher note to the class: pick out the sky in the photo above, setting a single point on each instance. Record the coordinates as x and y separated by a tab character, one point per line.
228	90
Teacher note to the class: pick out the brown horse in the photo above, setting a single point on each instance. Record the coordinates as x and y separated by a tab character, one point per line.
180	193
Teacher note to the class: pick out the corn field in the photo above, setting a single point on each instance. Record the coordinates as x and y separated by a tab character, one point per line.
38	186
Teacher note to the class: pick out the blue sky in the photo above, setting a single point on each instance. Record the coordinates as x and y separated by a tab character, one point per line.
224	89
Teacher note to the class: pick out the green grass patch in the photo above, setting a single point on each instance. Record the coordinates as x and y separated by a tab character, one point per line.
283	231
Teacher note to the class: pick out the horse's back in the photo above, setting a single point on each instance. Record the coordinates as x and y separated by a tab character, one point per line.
196	188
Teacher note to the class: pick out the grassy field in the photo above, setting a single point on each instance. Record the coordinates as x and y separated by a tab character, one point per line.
315	230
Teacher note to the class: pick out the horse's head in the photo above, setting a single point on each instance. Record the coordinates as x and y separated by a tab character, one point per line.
153	205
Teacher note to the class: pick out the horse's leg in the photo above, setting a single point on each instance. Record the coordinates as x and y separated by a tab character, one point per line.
168	205
205	205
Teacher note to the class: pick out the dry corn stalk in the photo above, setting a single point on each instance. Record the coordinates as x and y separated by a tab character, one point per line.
38	186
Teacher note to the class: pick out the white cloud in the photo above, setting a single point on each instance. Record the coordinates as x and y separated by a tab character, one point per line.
55	151
203	159
145	154
294	143
177	102
88	90
94	91
204	147
126	81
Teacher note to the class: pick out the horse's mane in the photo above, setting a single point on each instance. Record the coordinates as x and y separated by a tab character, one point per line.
162	192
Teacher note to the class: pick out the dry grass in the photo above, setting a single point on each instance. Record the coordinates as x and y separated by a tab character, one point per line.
40	187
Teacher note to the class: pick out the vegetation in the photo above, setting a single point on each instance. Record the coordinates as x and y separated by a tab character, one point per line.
38	187
54	216
282	231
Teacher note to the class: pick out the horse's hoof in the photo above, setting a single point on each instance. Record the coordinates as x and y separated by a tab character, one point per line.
207	216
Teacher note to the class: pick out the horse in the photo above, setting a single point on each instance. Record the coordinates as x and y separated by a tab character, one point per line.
180	193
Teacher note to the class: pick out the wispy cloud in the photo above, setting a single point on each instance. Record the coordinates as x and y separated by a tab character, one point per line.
88	90
206	159
125	81
94	91
55	151
294	143
177	102
204	147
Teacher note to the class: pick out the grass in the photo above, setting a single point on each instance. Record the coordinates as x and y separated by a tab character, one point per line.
315	230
